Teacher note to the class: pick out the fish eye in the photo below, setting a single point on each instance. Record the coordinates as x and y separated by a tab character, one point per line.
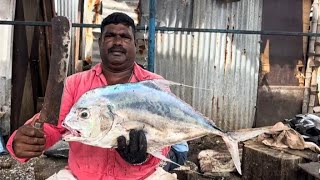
84	114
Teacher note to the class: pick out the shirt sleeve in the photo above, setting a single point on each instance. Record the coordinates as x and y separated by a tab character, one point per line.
53	133
181	147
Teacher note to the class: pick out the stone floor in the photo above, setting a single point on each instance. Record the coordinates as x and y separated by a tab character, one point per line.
37	168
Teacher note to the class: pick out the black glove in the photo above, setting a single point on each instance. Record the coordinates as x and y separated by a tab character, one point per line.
136	151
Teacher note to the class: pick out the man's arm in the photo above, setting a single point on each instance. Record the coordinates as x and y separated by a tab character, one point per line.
28	142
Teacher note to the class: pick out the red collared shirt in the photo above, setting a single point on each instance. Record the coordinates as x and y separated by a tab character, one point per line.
89	162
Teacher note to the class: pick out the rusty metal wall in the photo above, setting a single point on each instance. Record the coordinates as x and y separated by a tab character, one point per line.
222	68
279	95
285	51
7	12
69	8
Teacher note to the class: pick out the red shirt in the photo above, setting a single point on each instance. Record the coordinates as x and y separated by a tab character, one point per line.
89	162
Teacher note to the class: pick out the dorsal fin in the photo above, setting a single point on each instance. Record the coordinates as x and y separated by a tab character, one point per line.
158	84
165	84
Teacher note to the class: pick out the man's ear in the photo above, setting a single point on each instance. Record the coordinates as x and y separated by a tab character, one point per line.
99	42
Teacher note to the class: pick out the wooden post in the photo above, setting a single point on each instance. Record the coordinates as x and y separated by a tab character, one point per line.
313	29
264	163
315	65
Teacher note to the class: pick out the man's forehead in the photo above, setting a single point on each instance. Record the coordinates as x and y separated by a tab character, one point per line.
117	28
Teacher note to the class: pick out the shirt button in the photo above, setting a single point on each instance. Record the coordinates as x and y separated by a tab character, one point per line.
110	172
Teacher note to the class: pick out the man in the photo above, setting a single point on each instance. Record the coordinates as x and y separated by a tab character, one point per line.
117	51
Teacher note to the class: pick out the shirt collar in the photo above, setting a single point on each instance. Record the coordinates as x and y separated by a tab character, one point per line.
97	69
137	70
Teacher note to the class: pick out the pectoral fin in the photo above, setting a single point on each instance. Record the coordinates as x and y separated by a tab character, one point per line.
128	125
159	155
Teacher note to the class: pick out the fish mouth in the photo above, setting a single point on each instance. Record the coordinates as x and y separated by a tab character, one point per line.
72	132
75	132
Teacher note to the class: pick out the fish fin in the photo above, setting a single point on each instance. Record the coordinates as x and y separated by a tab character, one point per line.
158	84
128	125
165	84
234	151
245	134
159	155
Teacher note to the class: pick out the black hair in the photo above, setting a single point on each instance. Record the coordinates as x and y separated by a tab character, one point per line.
118	18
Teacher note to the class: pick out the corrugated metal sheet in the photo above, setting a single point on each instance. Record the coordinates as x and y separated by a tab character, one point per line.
69	8
130	7
7	12
227	65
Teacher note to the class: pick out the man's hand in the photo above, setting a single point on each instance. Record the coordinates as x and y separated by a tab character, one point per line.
28	142
136	151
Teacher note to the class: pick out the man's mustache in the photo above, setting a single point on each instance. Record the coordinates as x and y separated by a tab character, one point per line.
117	49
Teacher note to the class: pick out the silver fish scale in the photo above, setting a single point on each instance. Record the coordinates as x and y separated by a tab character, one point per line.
146	95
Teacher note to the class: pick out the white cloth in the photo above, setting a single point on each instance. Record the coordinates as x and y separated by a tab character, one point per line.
65	174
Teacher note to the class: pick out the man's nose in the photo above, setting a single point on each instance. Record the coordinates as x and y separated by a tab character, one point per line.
117	40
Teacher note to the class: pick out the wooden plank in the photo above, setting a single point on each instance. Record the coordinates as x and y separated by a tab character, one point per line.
30	14
47	16
19	69
78	63
34	67
306	7
43	57
30	8
261	162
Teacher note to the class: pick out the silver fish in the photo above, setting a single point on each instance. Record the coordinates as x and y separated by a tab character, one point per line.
103	114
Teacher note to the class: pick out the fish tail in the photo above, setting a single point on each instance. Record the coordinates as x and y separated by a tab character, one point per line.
234	151
232	138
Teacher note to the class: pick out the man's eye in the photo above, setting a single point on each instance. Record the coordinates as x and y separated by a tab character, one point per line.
85	114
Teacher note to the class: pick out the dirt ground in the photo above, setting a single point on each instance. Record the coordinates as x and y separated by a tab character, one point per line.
11	169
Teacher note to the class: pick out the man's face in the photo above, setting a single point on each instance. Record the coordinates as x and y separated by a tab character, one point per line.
117	47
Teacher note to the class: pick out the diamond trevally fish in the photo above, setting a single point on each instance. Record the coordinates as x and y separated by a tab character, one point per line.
103	114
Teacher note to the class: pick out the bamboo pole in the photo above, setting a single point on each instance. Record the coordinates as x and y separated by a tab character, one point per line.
315	67
314	85
313	28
